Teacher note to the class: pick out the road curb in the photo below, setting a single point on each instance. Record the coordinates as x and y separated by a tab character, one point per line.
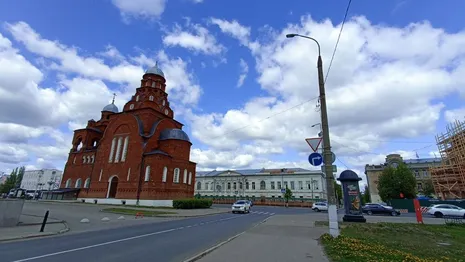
211	249
37	224
66	229
203	215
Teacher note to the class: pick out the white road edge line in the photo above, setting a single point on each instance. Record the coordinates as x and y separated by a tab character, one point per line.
206	252
116	241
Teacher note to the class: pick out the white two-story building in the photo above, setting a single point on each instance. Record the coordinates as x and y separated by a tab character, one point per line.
43	179
259	183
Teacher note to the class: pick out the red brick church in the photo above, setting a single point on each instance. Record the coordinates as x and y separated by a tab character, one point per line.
140	155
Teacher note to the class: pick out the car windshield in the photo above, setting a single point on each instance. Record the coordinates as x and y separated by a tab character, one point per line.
239	203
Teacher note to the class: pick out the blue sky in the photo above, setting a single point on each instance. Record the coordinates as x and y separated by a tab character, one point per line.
206	61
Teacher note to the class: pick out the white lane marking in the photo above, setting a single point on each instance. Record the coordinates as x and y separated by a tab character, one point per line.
121	240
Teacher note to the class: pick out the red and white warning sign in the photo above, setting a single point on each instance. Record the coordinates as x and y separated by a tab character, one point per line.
314	143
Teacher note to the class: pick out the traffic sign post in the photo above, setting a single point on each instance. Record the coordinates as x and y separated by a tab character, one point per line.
315	159
283	190
314	143
333	158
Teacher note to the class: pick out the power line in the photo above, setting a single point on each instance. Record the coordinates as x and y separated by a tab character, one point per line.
266	118
338	38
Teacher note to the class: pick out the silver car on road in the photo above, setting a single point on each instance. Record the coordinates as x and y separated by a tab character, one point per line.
241	206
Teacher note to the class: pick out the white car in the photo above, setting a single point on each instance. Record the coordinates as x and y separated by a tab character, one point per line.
241	206
441	210
320	206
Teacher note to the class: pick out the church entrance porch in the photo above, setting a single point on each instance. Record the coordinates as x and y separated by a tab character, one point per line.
112	187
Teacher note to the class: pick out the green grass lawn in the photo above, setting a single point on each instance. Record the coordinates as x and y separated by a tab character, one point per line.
133	212
395	242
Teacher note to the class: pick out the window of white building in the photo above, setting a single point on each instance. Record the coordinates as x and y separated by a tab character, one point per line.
262	185
279	185
253	185
199	186
292	185
247	185
272	185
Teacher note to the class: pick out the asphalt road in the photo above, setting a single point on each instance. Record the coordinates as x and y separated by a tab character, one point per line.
162	241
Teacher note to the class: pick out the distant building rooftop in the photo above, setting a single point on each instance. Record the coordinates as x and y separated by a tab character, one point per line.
262	171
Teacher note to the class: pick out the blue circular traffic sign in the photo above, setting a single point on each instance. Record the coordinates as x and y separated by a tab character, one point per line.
315	159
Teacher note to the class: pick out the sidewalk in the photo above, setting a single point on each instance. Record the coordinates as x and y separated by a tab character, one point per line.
290	238
29	227
177	212
180	213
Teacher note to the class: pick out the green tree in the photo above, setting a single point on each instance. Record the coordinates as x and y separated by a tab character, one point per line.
338	190
428	188
19	175
366	198
396	181
287	195
9	184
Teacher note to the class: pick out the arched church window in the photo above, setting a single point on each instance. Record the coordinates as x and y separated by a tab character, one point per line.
92	159
79	144
88	160
153	84
112	150
87	183
164	102
84	159
131	106
68	183
151	98
137	98
176	175
118	149
184	177
147	173
190	178
78	183
125	149
165	174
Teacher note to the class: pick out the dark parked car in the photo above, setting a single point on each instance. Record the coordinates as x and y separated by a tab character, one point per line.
371	209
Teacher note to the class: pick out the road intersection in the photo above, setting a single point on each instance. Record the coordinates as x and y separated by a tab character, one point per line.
152	240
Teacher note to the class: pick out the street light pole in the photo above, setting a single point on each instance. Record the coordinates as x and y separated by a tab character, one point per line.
327	155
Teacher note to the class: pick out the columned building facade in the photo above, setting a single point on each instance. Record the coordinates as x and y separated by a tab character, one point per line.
258	183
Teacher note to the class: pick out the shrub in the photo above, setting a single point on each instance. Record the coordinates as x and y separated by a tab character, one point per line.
192	203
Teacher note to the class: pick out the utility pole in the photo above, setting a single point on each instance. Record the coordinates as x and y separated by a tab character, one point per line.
327	155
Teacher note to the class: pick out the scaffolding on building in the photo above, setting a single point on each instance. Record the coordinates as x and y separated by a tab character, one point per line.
449	178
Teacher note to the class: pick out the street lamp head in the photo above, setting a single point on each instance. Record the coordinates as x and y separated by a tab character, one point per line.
316	124
291	35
